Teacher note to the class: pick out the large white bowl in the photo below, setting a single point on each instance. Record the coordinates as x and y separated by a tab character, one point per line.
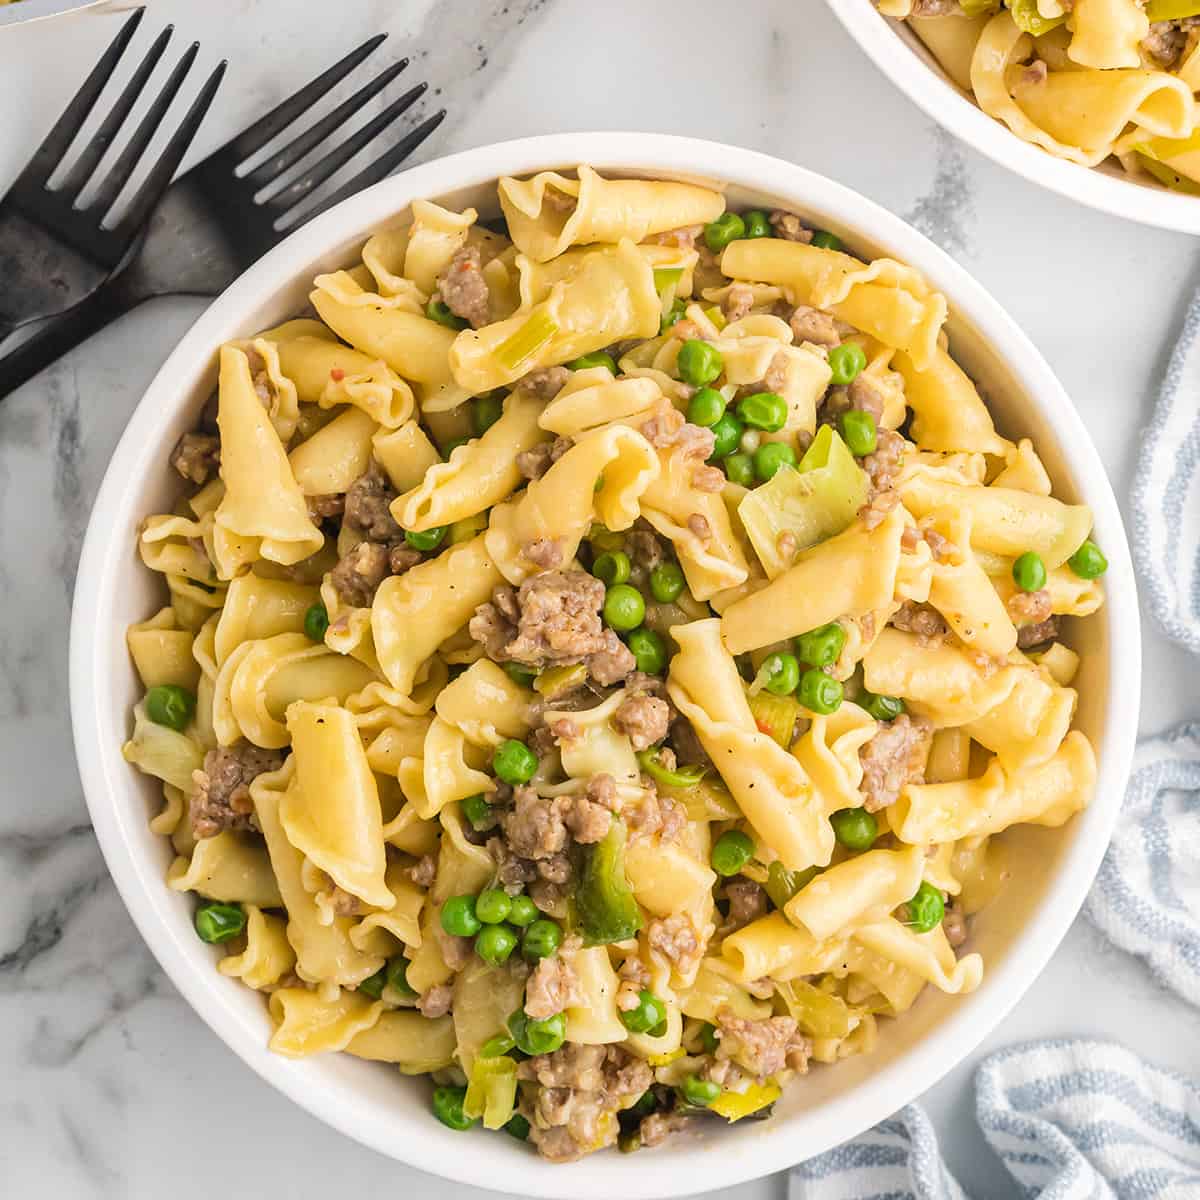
1053	868
903	58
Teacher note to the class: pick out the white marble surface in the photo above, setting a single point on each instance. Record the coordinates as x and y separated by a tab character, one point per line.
112	1087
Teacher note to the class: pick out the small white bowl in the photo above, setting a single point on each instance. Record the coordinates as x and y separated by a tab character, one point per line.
1053	868
34	10
902	57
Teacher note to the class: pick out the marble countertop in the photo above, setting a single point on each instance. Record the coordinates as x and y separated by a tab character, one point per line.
108	1074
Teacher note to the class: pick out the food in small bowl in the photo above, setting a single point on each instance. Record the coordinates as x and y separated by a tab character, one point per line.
600	652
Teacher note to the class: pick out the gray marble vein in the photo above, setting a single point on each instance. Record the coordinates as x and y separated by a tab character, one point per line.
104	1065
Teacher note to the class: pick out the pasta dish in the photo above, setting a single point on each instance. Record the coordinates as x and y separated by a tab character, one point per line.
1085	80
600	649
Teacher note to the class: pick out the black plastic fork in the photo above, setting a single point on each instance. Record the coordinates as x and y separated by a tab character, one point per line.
54	253
211	224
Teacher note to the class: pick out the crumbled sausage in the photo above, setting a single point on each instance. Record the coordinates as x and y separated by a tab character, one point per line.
534	826
359	572
747	902
401	557
738	302
1030	608
221	796
436	1001
345	904
676	939
922	619
789	227
424	872
329	505
645	548
875	511
884	464
941	547
197	456
699	527
545	383
464	289
684	237
812	325
1034	635
367	506
954	924
657	1127
865	395
546	553
651	814
643	719
552	987
895	756
587	821
537	460
456	951
708	479
1164	44
763	1047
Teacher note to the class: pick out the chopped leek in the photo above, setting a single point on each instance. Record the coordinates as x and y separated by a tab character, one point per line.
492	1091
1026	17
667	277
782	884
775	716
733	1106
605	909
816	1012
466	529
1172	10
604	540
1167	177
558	681
716	316
809	503
680	777
667	1057
527	341
709	800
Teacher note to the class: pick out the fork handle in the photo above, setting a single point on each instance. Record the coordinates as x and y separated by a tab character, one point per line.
57	336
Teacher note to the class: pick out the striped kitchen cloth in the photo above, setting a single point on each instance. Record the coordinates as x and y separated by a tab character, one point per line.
1070	1120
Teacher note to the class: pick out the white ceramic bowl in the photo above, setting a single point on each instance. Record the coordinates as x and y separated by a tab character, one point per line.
902	57
1054	868
35	10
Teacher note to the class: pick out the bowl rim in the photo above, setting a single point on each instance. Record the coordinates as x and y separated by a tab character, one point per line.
947	106
105	774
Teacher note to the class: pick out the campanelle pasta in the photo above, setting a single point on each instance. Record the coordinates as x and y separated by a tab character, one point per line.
1087	81
627	645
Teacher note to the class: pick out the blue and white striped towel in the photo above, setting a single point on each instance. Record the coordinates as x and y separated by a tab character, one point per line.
1071	1120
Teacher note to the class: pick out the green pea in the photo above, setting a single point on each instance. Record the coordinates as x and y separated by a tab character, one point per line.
859	432
492	906
624	607
855	828
763	410
425	539
1029	572
706	407
926	909
597	359
316	621
650	1012
731	852
479	812
497	1047
700	1092
170	705
544	1036
522	911
374	985
819	693
494	943
649	650
517	1126
770	457
448	1107
727	432
780	674
397	976
453	445
219	922
698	362
824	240
485	412
612	568
756	223
740	469
458	916
728	227
1088	562
521	675
708	1038
882	708
673	315
846	362
541	939
439	311
666	582
821	647
514	762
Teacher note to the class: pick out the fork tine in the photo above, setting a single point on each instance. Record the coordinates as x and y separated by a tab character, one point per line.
380	169
291	154
159	179
279	118
94	151
49	154
124	167
321	170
